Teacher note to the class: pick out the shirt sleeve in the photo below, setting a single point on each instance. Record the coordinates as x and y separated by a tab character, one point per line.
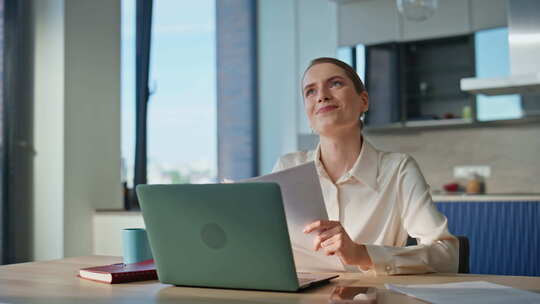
437	249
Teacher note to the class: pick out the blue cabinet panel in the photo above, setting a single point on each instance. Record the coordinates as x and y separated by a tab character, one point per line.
504	236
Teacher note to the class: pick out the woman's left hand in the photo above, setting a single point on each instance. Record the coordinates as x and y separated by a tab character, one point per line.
333	239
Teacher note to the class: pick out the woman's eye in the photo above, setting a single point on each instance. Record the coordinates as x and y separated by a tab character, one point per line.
336	83
310	92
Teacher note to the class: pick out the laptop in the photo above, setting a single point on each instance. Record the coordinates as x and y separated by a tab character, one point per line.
222	235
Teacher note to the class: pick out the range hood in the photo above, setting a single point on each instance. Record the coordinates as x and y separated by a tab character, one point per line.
524	44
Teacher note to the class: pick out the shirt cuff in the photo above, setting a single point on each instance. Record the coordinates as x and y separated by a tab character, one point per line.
382	260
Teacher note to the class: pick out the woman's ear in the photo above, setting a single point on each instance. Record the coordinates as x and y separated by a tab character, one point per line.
364	97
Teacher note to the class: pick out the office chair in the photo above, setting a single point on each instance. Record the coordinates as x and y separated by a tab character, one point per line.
463	266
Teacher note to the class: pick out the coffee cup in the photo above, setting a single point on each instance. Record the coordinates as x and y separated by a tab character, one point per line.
135	245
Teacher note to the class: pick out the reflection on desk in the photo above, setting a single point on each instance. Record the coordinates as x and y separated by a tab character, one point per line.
56	282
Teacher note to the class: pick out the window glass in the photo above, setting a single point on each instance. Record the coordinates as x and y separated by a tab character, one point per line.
182	135
128	90
361	61
492	61
345	54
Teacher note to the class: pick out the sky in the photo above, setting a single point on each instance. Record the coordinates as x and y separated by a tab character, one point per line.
182	109
493	60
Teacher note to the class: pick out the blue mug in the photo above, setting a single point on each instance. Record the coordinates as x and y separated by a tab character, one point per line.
135	245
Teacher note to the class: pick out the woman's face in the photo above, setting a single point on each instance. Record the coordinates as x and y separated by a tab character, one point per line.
330	99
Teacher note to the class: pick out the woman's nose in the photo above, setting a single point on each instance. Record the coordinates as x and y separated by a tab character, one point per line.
323	96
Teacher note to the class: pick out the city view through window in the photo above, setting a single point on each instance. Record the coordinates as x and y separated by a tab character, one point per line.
182	135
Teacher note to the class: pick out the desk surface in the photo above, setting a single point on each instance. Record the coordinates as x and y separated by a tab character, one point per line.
56	282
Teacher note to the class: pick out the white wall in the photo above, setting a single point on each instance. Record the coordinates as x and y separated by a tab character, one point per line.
49	77
92	117
108	230
76	122
291	33
317	37
277	68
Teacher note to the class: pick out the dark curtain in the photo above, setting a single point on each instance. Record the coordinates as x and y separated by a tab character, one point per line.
16	136
142	68
3	194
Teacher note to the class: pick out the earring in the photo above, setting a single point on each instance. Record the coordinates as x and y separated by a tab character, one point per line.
363	116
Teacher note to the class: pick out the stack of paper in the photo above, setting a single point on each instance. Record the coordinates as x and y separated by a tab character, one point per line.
466	292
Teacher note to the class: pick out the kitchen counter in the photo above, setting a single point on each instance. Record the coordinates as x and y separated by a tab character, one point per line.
461	197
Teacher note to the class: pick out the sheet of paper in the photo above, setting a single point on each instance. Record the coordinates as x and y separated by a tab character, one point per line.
477	292
303	203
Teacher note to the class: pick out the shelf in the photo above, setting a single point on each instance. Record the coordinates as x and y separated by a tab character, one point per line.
438	97
461	68
438	122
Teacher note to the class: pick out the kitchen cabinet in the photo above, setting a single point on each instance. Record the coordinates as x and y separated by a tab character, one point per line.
451	18
368	22
504	235
378	21
418	81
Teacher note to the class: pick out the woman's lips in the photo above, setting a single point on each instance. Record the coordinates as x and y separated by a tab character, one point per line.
326	109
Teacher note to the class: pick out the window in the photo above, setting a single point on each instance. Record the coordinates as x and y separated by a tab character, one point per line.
345	54
360	67
354	56
181	138
492	60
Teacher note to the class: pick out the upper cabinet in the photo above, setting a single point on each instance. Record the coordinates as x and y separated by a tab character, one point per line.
378	21
368	22
487	14
450	19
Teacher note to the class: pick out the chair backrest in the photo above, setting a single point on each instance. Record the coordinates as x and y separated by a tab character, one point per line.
464	252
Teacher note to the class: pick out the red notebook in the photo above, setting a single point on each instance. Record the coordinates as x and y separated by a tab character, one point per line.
121	273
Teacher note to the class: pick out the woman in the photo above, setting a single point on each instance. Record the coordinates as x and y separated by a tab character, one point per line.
374	199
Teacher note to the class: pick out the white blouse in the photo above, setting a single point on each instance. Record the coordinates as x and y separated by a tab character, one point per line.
380	201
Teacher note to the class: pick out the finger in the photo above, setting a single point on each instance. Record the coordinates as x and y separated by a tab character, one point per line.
333	245
325	236
328	233
320	224
314	226
335	239
330	249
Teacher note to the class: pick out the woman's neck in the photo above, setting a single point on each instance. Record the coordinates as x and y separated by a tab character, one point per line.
340	152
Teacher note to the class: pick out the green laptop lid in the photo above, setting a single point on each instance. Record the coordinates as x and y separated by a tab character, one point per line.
219	235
